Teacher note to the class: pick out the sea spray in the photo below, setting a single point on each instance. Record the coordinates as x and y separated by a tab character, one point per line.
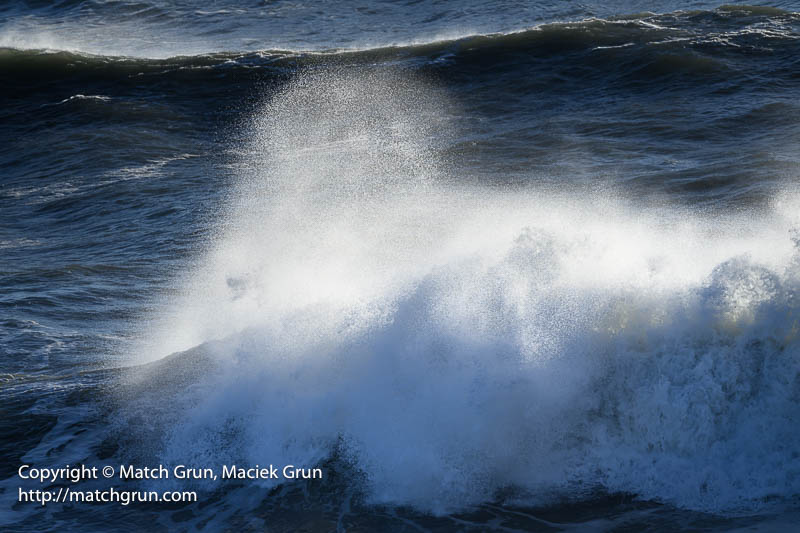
460	343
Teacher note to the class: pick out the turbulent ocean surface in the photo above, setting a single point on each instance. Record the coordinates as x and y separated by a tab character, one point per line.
490	265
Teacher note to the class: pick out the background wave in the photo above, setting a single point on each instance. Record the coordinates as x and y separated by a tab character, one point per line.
162	29
733	28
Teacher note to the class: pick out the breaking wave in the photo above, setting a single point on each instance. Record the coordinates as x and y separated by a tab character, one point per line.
456	344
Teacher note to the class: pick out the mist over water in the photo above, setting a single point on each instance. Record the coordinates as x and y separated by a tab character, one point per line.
455	342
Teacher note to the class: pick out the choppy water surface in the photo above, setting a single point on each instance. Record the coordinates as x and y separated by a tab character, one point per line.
491	266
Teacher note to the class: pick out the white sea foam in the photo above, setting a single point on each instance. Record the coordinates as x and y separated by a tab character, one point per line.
453	341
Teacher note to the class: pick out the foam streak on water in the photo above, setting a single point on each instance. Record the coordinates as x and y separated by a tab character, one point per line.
455	341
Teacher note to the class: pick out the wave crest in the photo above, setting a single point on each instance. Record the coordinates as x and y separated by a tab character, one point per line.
453	343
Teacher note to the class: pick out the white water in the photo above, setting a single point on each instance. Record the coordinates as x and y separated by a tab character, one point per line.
454	341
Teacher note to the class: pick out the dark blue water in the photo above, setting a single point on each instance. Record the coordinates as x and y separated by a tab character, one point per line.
524	266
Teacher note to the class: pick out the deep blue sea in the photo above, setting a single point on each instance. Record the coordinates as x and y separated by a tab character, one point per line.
487	265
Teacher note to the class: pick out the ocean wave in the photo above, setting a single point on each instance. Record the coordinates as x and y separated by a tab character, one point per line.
456	345
729	28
